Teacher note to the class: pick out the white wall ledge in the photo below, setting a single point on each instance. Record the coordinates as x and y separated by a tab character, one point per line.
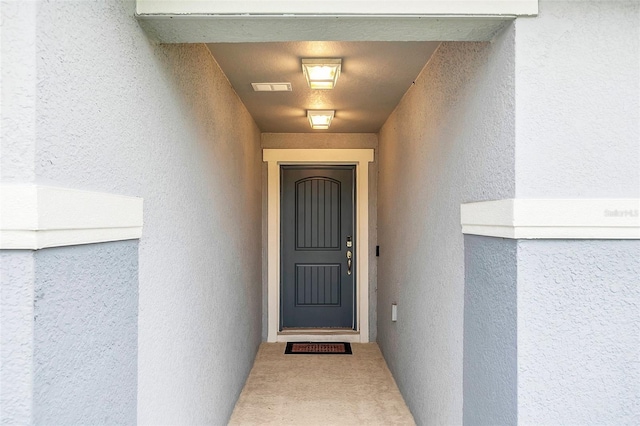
553	218
33	217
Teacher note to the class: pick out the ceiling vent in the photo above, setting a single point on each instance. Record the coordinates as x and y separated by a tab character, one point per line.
271	87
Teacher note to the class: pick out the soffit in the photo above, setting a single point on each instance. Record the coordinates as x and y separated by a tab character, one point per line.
384	46
375	76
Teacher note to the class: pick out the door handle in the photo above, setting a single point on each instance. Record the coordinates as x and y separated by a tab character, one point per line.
349	256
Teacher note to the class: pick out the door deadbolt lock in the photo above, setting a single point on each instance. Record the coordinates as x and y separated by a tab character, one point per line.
349	242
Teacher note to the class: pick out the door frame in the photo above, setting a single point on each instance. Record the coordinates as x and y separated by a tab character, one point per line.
360	158
344	177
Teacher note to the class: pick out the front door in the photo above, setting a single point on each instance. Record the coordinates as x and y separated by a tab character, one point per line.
317	247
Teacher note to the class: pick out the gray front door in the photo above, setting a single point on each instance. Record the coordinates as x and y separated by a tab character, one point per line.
317	247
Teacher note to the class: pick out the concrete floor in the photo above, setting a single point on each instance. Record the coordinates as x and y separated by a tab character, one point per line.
320	390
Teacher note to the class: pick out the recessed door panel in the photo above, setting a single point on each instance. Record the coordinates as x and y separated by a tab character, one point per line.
318	285
318	214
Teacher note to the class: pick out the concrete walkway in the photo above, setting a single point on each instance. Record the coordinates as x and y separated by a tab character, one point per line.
320	390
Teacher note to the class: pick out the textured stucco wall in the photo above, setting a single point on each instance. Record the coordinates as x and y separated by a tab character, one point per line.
117	112
18	94
86	334
331	141
450	141
490	363
16	336
578	100
17	147
578	136
578	332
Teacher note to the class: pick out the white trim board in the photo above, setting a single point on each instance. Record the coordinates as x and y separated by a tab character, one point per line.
553	218
33	217
339	7
277	157
315	337
232	21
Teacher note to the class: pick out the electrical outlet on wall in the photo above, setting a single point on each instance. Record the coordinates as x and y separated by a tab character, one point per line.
394	312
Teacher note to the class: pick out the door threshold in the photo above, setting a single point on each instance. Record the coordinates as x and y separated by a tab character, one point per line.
319	331
319	335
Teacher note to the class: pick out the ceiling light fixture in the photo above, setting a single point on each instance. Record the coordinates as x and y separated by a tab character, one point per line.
320	119
322	73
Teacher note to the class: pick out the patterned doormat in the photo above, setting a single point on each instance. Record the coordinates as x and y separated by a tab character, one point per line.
328	348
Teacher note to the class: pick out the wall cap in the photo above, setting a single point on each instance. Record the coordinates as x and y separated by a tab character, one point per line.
553	218
34	216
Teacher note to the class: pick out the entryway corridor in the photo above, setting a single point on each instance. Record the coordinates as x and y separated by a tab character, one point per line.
320	389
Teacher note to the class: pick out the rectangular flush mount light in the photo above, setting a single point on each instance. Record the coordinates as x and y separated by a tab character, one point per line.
321	73
320	119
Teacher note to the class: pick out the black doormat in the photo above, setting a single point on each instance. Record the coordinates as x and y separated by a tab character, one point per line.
319	348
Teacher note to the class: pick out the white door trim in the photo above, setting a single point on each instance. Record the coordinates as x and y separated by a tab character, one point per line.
361	159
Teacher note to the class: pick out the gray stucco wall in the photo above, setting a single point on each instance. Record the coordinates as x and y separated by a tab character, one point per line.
16	336
578	108
577	136
578	332
86	334
118	113
330	141
450	141
490	331
17	150
18	90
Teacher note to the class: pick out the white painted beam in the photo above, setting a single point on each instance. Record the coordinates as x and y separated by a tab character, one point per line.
210	21
339	7
553	218
33	217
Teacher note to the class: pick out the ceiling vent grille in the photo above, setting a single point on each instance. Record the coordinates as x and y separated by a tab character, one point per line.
271	87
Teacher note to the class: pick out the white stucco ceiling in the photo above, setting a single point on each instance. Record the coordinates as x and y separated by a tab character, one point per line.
375	76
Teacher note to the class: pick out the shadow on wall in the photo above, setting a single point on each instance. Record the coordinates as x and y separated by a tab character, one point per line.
202	264
451	140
